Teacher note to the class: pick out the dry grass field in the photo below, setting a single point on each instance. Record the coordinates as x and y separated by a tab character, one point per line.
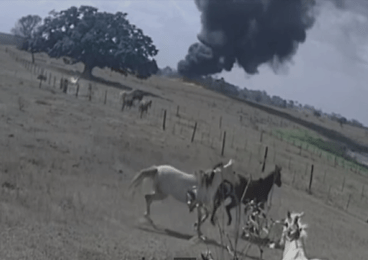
66	161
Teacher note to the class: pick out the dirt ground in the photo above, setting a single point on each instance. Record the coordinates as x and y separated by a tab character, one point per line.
65	164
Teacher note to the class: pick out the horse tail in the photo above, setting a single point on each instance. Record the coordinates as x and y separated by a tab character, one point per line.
150	172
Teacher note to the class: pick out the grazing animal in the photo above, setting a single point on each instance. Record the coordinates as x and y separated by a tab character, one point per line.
128	97
168	180
294	233
129	102
144	105
257	190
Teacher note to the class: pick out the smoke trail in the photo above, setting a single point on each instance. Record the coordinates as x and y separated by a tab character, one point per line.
248	32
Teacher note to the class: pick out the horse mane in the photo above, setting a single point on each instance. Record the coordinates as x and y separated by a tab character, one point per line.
272	173
220	164
205	178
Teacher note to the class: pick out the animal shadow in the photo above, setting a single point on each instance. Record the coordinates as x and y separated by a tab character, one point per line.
187	237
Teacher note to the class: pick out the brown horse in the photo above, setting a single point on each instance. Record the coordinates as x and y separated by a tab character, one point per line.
257	190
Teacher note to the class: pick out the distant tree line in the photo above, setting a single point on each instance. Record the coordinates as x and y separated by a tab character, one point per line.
258	96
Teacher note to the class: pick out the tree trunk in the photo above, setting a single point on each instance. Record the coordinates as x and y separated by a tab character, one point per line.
87	72
33	59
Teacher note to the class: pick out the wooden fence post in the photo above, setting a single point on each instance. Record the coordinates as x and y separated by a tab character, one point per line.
220	122
347	204
65	87
264	159
223	144
77	91
89	91
164	121
311	179
194	131
343	184
105	97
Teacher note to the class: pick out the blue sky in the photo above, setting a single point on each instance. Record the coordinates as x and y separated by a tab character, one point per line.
329	71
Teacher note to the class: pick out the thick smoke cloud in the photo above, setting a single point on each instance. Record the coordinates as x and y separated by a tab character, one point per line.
247	32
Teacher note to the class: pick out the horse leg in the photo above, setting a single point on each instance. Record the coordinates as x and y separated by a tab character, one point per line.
200	219
156	195
215	207
203	219
198	227
232	204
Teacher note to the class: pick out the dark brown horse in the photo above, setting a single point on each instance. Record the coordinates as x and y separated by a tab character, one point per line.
257	190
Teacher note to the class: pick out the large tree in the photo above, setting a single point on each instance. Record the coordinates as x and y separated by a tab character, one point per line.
98	39
25	27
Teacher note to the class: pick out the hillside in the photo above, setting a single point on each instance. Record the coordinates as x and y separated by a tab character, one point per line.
66	162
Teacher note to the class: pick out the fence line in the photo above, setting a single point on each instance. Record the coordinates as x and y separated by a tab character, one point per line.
349	194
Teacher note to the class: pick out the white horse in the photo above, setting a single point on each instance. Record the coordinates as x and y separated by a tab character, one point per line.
168	180
293	234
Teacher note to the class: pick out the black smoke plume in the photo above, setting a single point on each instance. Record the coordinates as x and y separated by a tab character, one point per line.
248	32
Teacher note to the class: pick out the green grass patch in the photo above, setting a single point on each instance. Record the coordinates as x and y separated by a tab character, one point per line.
312	142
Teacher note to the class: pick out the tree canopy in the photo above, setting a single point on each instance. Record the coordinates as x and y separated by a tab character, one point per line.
26	27
98	39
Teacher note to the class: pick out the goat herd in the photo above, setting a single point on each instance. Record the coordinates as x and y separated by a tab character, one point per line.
206	190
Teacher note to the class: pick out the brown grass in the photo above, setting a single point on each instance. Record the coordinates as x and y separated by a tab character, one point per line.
67	162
